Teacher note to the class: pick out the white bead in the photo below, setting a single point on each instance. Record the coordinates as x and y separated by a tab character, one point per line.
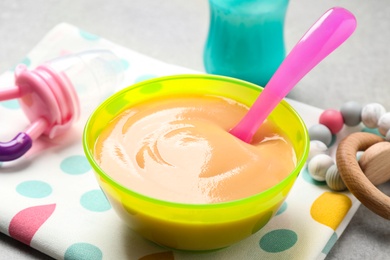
371	114
384	123
318	166
388	136
333	179
316	147
359	154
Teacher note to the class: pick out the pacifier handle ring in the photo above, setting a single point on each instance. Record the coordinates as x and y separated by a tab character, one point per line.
353	176
15	148
22	142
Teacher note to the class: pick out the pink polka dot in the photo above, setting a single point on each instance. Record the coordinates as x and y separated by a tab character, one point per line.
26	222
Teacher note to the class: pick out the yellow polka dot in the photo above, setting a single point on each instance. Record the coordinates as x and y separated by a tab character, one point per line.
330	209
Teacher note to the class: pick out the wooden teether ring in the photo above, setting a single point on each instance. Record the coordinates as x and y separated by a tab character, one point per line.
353	176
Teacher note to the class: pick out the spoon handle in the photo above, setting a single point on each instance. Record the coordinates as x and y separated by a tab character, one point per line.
329	32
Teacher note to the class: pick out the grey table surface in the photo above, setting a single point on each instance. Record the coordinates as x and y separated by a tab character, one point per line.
175	31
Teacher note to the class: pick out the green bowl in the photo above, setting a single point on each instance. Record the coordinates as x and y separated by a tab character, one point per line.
194	227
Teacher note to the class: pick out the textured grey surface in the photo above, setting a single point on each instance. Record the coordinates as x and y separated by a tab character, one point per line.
174	31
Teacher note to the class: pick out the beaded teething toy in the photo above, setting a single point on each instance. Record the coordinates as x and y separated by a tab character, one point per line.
347	172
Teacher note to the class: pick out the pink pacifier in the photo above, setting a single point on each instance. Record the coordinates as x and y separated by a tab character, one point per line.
54	94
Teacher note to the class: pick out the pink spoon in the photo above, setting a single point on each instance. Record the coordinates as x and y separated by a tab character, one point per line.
329	32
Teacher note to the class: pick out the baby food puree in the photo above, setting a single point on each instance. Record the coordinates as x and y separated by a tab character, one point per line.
178	149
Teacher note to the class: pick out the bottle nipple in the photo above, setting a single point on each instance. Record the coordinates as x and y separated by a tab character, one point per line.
93	76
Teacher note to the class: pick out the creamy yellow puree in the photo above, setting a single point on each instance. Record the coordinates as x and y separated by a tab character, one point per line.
179	149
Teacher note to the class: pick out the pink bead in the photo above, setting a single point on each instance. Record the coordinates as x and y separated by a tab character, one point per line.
332	119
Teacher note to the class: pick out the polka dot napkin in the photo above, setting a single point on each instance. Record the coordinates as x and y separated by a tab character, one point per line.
50	200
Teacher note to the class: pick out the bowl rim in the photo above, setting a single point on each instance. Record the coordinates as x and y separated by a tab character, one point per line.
252	198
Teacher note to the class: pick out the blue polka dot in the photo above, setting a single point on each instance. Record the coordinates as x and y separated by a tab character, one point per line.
306	176
278	240
11	104
125	64
95	200
117	65
26	61
81	89
282	208
145	77
34	189
332	240
75	165
83	251
89	36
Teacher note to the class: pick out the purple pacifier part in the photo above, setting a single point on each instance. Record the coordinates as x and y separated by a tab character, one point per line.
15	148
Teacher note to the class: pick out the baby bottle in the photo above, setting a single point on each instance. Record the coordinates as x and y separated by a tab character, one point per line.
91	76
59	92
245	39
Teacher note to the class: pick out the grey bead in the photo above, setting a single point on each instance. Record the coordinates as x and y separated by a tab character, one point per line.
351	112
321	133
388	136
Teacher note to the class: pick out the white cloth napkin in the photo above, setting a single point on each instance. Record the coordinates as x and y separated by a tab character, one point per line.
50	200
